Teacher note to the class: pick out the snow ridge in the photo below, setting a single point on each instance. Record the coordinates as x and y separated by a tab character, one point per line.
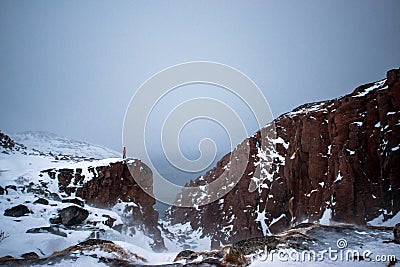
49	143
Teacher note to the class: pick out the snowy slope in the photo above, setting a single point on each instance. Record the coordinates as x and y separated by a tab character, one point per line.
18	170
334	246
57	145
21	167
23	182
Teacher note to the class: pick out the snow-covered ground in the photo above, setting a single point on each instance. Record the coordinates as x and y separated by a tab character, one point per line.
58	145
379	221
337	245
20	167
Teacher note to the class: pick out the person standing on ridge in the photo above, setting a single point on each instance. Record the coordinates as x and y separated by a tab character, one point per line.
124	153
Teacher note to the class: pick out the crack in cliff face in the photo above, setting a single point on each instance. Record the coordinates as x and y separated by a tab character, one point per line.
334	160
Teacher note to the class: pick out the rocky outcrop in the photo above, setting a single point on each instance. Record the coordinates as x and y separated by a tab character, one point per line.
106	252
7	144
105	186
307	243
334	160
30	256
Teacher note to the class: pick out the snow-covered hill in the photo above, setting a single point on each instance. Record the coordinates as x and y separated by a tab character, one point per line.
46	143
25	180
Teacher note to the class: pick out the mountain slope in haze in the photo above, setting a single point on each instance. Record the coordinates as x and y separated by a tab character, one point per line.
46	143
333	161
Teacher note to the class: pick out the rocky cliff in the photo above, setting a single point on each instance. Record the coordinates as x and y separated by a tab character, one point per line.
7	144
105	186
335	160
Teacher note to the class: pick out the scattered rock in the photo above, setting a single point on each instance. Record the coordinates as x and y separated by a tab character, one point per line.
92	247
7	258
30	256
74	201
97	234
221	257
56	220
41	201
49	229
105	251
17	211
110	220
235	259
184	254
118	227
2	191
6	141
396	233
252	245
13	187
71	215
55	197
303	225
93	242
51	172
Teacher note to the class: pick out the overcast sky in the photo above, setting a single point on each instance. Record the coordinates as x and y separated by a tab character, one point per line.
71	67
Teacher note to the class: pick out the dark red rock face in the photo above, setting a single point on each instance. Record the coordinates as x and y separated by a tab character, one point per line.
6	141
114	183
337	158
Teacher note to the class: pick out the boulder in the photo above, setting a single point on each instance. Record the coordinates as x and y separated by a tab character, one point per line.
74	201
17	211
41	201
71	215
